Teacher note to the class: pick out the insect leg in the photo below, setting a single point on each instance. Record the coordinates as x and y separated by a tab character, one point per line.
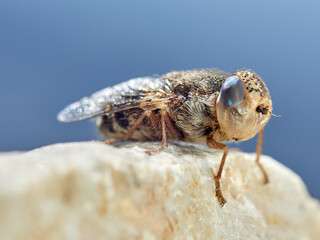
259	149
132	129
172	129
213	144
154	120
113	140
163	115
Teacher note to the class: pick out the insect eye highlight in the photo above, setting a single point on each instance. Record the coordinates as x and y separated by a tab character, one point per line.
232	92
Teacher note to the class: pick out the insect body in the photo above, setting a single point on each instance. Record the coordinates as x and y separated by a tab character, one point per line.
199	106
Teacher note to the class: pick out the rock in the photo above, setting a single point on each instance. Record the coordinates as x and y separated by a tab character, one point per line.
90	190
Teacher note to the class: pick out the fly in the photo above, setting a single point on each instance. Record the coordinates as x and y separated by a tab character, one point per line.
198	106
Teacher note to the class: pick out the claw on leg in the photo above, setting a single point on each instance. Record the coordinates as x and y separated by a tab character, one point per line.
149	152
219	195
111	141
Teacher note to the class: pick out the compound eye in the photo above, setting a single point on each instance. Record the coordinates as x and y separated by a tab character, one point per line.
232	92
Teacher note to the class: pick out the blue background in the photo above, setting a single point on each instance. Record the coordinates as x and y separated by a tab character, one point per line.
54	52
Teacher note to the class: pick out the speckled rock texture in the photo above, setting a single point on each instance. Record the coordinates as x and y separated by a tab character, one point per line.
90	190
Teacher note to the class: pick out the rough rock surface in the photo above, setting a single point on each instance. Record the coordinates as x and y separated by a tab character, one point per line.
90	190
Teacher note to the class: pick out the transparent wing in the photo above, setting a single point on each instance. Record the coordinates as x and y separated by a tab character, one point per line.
123	96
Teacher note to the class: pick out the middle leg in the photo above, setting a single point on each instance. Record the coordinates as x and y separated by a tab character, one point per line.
163	115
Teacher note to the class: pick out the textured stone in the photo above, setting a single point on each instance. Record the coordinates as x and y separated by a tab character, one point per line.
90	190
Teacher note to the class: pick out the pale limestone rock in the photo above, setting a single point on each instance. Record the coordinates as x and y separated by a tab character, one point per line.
90	190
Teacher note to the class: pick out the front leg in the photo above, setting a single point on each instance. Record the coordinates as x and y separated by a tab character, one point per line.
259	149
216	145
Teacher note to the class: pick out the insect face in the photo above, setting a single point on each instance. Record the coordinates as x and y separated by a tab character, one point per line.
243	106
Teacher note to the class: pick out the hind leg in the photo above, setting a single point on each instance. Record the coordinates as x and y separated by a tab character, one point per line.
131	131
156	125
